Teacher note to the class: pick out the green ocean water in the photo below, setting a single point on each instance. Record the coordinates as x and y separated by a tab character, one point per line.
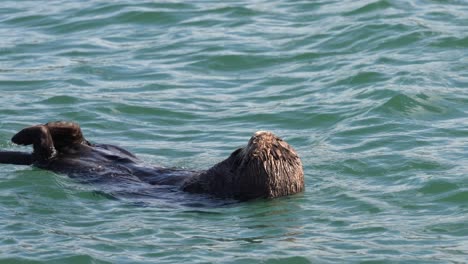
372	94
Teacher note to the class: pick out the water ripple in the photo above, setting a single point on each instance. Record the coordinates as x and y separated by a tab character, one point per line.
372	94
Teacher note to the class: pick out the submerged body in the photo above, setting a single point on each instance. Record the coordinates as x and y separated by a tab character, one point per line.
266	168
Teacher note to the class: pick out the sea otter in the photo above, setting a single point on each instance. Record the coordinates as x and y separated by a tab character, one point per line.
267	167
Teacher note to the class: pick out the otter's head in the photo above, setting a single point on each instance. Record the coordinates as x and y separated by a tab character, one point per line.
267	167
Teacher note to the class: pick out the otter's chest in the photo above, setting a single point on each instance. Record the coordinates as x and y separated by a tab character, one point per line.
91	162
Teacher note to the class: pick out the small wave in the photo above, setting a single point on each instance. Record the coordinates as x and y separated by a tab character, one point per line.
458	197
435	187
363	78
370	7
237	62
451	42
61	99
31	20
419	105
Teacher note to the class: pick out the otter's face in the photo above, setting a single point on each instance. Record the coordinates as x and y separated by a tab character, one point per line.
267	167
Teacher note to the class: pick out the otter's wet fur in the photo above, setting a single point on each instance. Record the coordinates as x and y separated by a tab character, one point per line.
267	167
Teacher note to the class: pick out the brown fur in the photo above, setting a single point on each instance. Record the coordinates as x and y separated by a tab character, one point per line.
267	167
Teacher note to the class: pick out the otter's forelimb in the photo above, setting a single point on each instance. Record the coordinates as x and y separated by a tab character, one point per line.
16	158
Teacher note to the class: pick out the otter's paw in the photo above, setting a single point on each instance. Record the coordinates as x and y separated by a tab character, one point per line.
29	135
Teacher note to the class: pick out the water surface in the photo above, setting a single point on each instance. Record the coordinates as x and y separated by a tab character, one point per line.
372	94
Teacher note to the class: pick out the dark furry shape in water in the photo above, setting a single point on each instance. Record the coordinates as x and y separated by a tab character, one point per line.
267	167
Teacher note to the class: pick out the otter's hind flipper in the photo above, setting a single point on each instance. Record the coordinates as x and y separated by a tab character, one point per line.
66	134
39	136
15	157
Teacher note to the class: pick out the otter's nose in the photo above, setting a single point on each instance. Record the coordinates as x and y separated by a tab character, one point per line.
264	139
260	132
264	134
